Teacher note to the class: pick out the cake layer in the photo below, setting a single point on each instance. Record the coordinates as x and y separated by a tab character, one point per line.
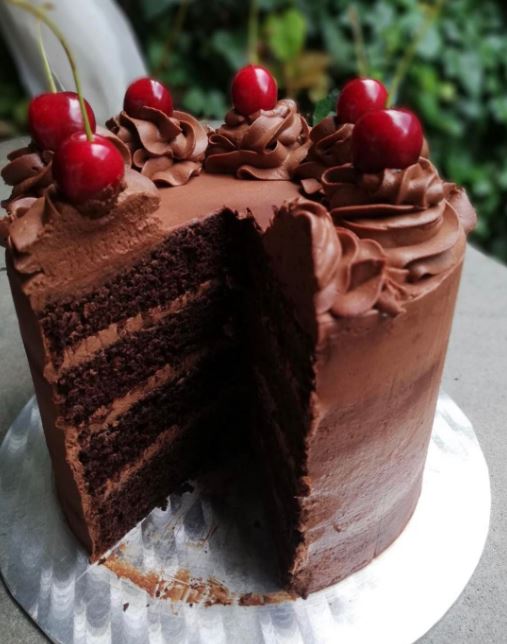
270	315
188	257
85	349
172	464
115	370
105	453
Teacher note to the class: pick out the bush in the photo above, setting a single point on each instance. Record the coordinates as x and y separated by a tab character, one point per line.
455	80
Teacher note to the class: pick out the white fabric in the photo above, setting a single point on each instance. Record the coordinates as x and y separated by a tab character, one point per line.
108	57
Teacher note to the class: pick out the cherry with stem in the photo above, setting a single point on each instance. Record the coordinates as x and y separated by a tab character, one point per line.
85	166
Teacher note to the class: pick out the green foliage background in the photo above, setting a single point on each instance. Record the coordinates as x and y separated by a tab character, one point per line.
456	80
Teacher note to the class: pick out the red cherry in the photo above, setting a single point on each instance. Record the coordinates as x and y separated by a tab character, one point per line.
147	92
253	89
53	117
386	139
84	169
359	96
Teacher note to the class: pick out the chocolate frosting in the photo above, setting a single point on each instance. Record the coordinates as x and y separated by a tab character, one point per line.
326	270
331	145
405	211
167	149
268	144
28	172
52	242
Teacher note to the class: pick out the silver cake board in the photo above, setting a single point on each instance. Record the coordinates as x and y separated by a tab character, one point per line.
201	570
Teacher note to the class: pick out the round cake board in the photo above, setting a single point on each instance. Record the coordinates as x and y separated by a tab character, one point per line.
201	569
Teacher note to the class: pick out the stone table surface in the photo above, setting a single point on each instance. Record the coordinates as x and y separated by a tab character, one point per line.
475	376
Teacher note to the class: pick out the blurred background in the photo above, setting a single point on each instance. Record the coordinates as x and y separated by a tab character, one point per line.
446	60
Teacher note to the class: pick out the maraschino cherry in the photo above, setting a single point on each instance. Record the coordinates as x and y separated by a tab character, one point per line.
147	92
386	139
359	96
85	169
53	116
253	88
85	165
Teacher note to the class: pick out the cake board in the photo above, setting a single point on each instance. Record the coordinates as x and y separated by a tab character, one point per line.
203	566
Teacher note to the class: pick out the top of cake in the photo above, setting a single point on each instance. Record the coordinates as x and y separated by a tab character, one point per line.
384	225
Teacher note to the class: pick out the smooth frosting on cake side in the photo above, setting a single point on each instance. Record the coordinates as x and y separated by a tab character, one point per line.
380	329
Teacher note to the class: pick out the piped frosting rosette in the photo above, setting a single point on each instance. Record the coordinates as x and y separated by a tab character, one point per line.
405	211
331	145
29	173
267	145
169	150
327	270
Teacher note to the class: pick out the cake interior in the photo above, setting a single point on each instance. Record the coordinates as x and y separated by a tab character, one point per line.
195	355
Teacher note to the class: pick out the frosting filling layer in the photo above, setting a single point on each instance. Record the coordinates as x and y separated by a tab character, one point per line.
85	350
117	369
105	453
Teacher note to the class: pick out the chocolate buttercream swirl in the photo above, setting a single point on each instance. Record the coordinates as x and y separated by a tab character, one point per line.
167	149
331	145
328	270
405	211
268	144
28	172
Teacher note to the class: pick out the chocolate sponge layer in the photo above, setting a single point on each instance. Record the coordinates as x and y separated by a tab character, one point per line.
115	370
105	453
189	257
150	485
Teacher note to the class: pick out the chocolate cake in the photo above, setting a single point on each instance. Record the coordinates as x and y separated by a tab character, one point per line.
220	304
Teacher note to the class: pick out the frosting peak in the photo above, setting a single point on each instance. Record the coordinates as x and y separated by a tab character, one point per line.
28	172
418	186
331	145
268	144
167	149
405	211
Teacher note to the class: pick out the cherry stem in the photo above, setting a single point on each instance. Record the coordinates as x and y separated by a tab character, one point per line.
43	17
406	60
45	62
253	36
358	38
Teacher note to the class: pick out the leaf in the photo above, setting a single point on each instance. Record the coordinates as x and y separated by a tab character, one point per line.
210	103
308	71
153	8
430	46
472	72
324	107
194	100
286	34
338	45
231	46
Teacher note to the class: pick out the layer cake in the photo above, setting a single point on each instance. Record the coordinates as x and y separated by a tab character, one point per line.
215	305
